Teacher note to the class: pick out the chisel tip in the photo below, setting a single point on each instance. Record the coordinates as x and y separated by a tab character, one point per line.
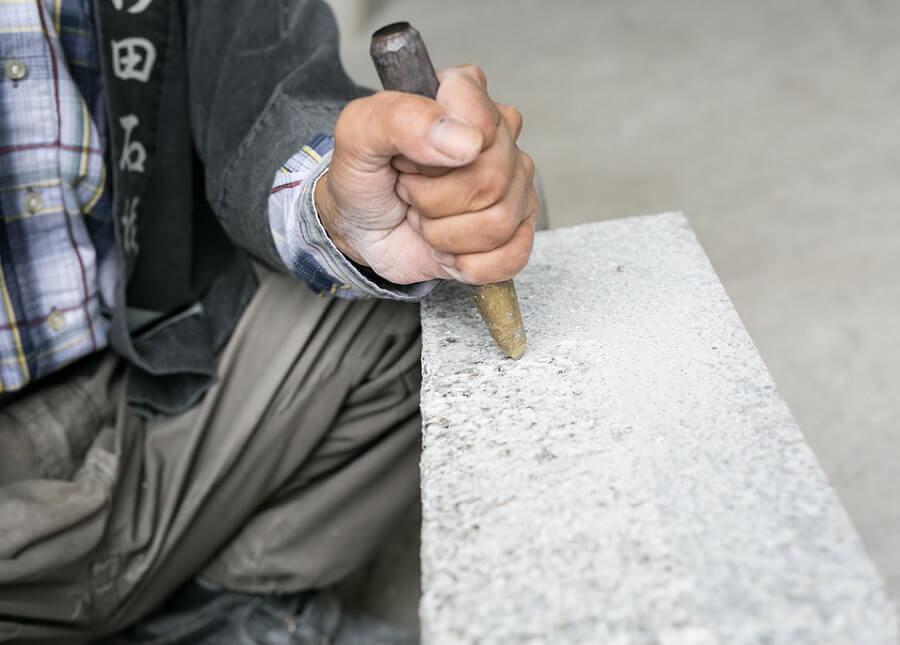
499	307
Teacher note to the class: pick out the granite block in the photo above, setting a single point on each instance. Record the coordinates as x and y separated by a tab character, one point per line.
635	478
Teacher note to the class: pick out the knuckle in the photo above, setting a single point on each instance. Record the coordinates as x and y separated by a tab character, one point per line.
528	164
515	118
348	116
353	107
490	188
466	95
485	119
524	249
475	72
399	108
534	205
480	75
474	270
499	227
400	112
516	258
512	118
433	234
521	245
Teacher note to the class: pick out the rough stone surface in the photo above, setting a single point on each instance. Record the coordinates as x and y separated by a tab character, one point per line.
635	478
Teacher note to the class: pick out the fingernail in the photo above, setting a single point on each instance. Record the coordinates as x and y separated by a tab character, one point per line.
446	260
457	275
455	139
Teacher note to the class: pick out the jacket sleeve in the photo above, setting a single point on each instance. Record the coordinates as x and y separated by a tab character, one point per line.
264	78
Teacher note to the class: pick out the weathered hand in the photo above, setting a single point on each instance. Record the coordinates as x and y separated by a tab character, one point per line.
422	189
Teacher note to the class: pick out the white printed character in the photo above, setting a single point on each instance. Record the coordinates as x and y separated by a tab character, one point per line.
138	7
133	58
129	225
134	154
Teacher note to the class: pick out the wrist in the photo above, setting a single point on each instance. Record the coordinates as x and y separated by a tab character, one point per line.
329	216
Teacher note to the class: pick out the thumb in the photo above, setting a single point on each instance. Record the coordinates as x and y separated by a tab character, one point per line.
372	130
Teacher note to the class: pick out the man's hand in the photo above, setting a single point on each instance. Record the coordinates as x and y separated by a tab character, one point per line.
421	189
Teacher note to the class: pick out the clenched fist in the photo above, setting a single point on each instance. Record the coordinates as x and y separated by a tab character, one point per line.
421	189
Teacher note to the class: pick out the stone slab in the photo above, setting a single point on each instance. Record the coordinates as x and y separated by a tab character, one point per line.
635	478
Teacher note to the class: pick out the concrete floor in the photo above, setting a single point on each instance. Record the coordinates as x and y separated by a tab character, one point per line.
775	127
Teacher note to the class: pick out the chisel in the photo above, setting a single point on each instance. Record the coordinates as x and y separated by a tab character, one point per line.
403	65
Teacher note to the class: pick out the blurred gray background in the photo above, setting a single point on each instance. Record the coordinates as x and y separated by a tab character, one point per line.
775	127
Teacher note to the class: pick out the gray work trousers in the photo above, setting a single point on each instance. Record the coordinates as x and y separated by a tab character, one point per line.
285	476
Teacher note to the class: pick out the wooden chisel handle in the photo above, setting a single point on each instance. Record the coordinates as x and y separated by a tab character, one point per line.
403	65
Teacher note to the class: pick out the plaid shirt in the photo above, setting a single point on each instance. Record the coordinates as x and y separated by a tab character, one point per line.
56	236
58	258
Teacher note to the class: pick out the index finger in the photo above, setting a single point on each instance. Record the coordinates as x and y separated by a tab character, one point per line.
463	93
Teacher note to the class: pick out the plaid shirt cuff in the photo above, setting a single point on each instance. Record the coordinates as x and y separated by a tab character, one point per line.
302	242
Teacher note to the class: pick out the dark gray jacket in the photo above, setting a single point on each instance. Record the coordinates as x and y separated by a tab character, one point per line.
235	88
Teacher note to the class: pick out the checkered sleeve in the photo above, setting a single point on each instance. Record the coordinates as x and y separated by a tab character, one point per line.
302	242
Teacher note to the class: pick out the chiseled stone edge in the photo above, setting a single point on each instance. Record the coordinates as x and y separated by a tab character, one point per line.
635	477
